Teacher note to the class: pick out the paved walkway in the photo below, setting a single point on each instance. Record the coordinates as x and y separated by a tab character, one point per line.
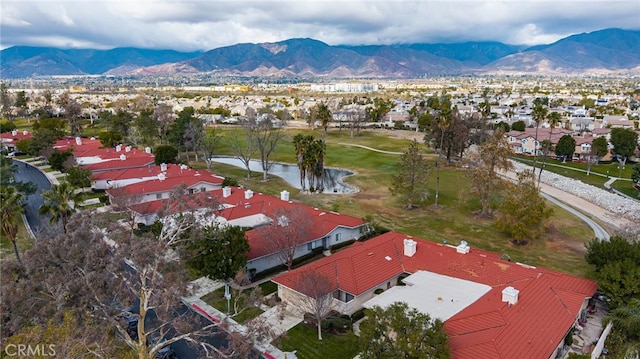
279	320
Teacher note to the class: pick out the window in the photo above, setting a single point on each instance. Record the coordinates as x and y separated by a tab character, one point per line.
203	189
158	195
338	236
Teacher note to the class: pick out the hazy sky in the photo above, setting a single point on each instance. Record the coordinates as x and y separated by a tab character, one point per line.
207	24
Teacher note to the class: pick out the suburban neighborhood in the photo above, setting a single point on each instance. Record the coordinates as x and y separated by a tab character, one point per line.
318	259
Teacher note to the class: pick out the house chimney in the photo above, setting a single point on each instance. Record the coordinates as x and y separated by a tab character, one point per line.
163	167
510	295
162	177
248	194
25	132
226	191
118	148
147	149
127	149
78	141
463	247
284	195
14	133
123	157
409	247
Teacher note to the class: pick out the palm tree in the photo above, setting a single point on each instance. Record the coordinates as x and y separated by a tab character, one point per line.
554	119
60	202
627	319
11	208
539	114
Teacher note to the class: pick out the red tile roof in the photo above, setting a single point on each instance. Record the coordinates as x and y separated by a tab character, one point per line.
138	172
118	164
548	304
188	177
16	136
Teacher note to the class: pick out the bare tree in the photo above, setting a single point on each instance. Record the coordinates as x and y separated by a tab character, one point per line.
317	299
289	229
266	137
121	202
244	144
210	141
72	111
164	115
116	287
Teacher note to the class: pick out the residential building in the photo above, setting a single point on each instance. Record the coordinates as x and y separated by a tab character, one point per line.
491	307
10	139
244	208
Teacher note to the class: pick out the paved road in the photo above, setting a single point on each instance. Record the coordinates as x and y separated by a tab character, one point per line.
598	231
26	173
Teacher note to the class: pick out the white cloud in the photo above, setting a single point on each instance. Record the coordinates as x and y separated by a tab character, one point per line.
203	25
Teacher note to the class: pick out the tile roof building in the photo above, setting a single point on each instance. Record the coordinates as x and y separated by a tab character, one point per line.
492	308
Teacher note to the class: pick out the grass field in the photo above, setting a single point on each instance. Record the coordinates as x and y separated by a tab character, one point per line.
304	340
453	220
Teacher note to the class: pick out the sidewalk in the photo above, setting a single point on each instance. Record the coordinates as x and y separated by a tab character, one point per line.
279	321
42	166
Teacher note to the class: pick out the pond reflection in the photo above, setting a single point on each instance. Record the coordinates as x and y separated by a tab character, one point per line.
332	177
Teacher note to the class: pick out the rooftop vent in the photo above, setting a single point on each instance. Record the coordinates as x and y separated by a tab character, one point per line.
248	194
123	157
118	147
387	258
14	133
163	167
183	167
78	141
25	132
284	195
510	295
162	177
147	149
226	191
463	247
409	247
127	149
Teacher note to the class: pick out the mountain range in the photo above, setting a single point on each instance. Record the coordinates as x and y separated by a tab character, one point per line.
599	52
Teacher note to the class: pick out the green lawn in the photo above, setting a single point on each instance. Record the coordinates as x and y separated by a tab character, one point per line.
216	299
453	221
304	340
268	288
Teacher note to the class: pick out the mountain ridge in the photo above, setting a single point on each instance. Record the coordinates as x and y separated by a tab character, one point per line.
608	50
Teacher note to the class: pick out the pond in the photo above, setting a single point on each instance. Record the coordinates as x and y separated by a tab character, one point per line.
333	178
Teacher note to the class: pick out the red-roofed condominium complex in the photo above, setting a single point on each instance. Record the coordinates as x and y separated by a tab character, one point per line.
492	308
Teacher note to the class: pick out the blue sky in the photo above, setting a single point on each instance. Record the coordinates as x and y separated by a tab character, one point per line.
206	24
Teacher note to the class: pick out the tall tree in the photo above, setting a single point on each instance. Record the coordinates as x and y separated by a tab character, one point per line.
219	253
524	212
539	115
11	208
244	145
290	228
210	141
625	143
554	119
484	165
402	332
310	155
165	154
60	202
267	137
317	299
78	272
323	114
410	181
163	115
566	146
72	112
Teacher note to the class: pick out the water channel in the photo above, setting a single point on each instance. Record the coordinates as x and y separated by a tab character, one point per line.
333	178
